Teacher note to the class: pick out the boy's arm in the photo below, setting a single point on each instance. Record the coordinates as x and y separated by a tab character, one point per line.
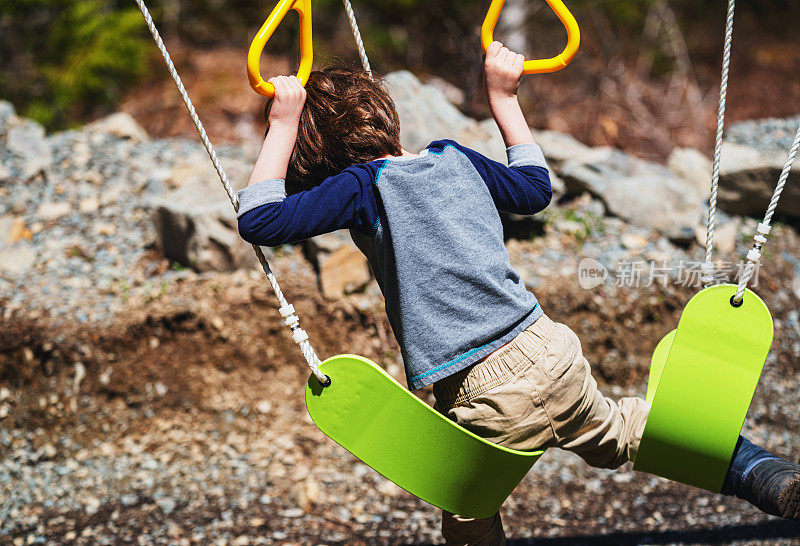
284	118
522	187
503	72
267	217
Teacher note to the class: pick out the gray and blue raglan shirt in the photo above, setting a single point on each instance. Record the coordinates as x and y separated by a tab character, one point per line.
431	230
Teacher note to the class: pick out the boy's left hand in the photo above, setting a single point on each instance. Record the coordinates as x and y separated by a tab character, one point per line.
503	71
290	96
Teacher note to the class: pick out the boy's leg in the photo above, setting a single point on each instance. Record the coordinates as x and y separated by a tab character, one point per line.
494	399
764	480
603	432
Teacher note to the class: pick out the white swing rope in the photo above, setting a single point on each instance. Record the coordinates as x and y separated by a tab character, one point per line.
362	52
708	266
287	310
764	227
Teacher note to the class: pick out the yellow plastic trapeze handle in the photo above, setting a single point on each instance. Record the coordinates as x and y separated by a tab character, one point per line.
303	8
538	66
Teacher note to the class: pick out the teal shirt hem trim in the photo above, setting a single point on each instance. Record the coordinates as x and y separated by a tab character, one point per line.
458	358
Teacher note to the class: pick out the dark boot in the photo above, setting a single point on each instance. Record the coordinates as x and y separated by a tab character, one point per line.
769	483
773	486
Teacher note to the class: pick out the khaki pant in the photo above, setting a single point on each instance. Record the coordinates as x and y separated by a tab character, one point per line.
536	392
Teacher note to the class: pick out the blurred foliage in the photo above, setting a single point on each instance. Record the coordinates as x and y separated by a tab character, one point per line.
65	58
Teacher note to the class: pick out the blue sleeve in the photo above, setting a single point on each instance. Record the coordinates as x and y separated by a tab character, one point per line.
267	217
522	187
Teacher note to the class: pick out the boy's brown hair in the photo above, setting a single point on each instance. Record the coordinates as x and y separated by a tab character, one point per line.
347	119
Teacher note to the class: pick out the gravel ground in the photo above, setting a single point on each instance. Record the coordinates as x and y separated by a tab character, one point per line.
767	135
146	404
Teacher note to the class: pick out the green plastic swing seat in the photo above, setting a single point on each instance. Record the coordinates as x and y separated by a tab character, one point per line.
376	419
702	379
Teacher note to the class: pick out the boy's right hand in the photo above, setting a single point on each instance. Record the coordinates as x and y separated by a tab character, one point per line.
503	71
290	96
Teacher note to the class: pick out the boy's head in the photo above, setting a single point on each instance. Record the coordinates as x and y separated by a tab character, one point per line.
347	119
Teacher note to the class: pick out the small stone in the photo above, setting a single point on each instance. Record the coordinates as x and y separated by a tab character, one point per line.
305	494
13	230
389	489
90	204
49	451
633	242
105	229
53	211
92	505
26	140
17	260
121	125
167	505
263	406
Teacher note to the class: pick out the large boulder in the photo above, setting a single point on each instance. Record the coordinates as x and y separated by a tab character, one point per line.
748	177
638	191
195	226
427	115
693	166
24	151
560	147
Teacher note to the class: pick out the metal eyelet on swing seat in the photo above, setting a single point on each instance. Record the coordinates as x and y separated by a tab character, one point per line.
736	304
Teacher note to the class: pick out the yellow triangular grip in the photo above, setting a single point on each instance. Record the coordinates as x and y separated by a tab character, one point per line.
538	66
303	7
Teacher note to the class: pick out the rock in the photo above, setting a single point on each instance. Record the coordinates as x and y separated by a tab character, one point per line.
7	114
305	494
725	237
13	230
121	125
196	226
560	147
264	407
48	211
748	178
694	166
427	115
17	254
24	151
451	92
90	204
340	265
633	242
640	192
17	260
766	135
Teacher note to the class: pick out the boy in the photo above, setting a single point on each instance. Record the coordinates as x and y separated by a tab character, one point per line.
429	226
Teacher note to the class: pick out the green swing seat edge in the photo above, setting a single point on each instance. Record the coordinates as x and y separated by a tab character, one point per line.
384	425
702	379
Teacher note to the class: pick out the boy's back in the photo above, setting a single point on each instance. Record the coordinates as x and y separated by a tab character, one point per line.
438	254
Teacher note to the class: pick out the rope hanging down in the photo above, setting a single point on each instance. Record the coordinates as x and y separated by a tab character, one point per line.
286	309
708	266
764	227
362	52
